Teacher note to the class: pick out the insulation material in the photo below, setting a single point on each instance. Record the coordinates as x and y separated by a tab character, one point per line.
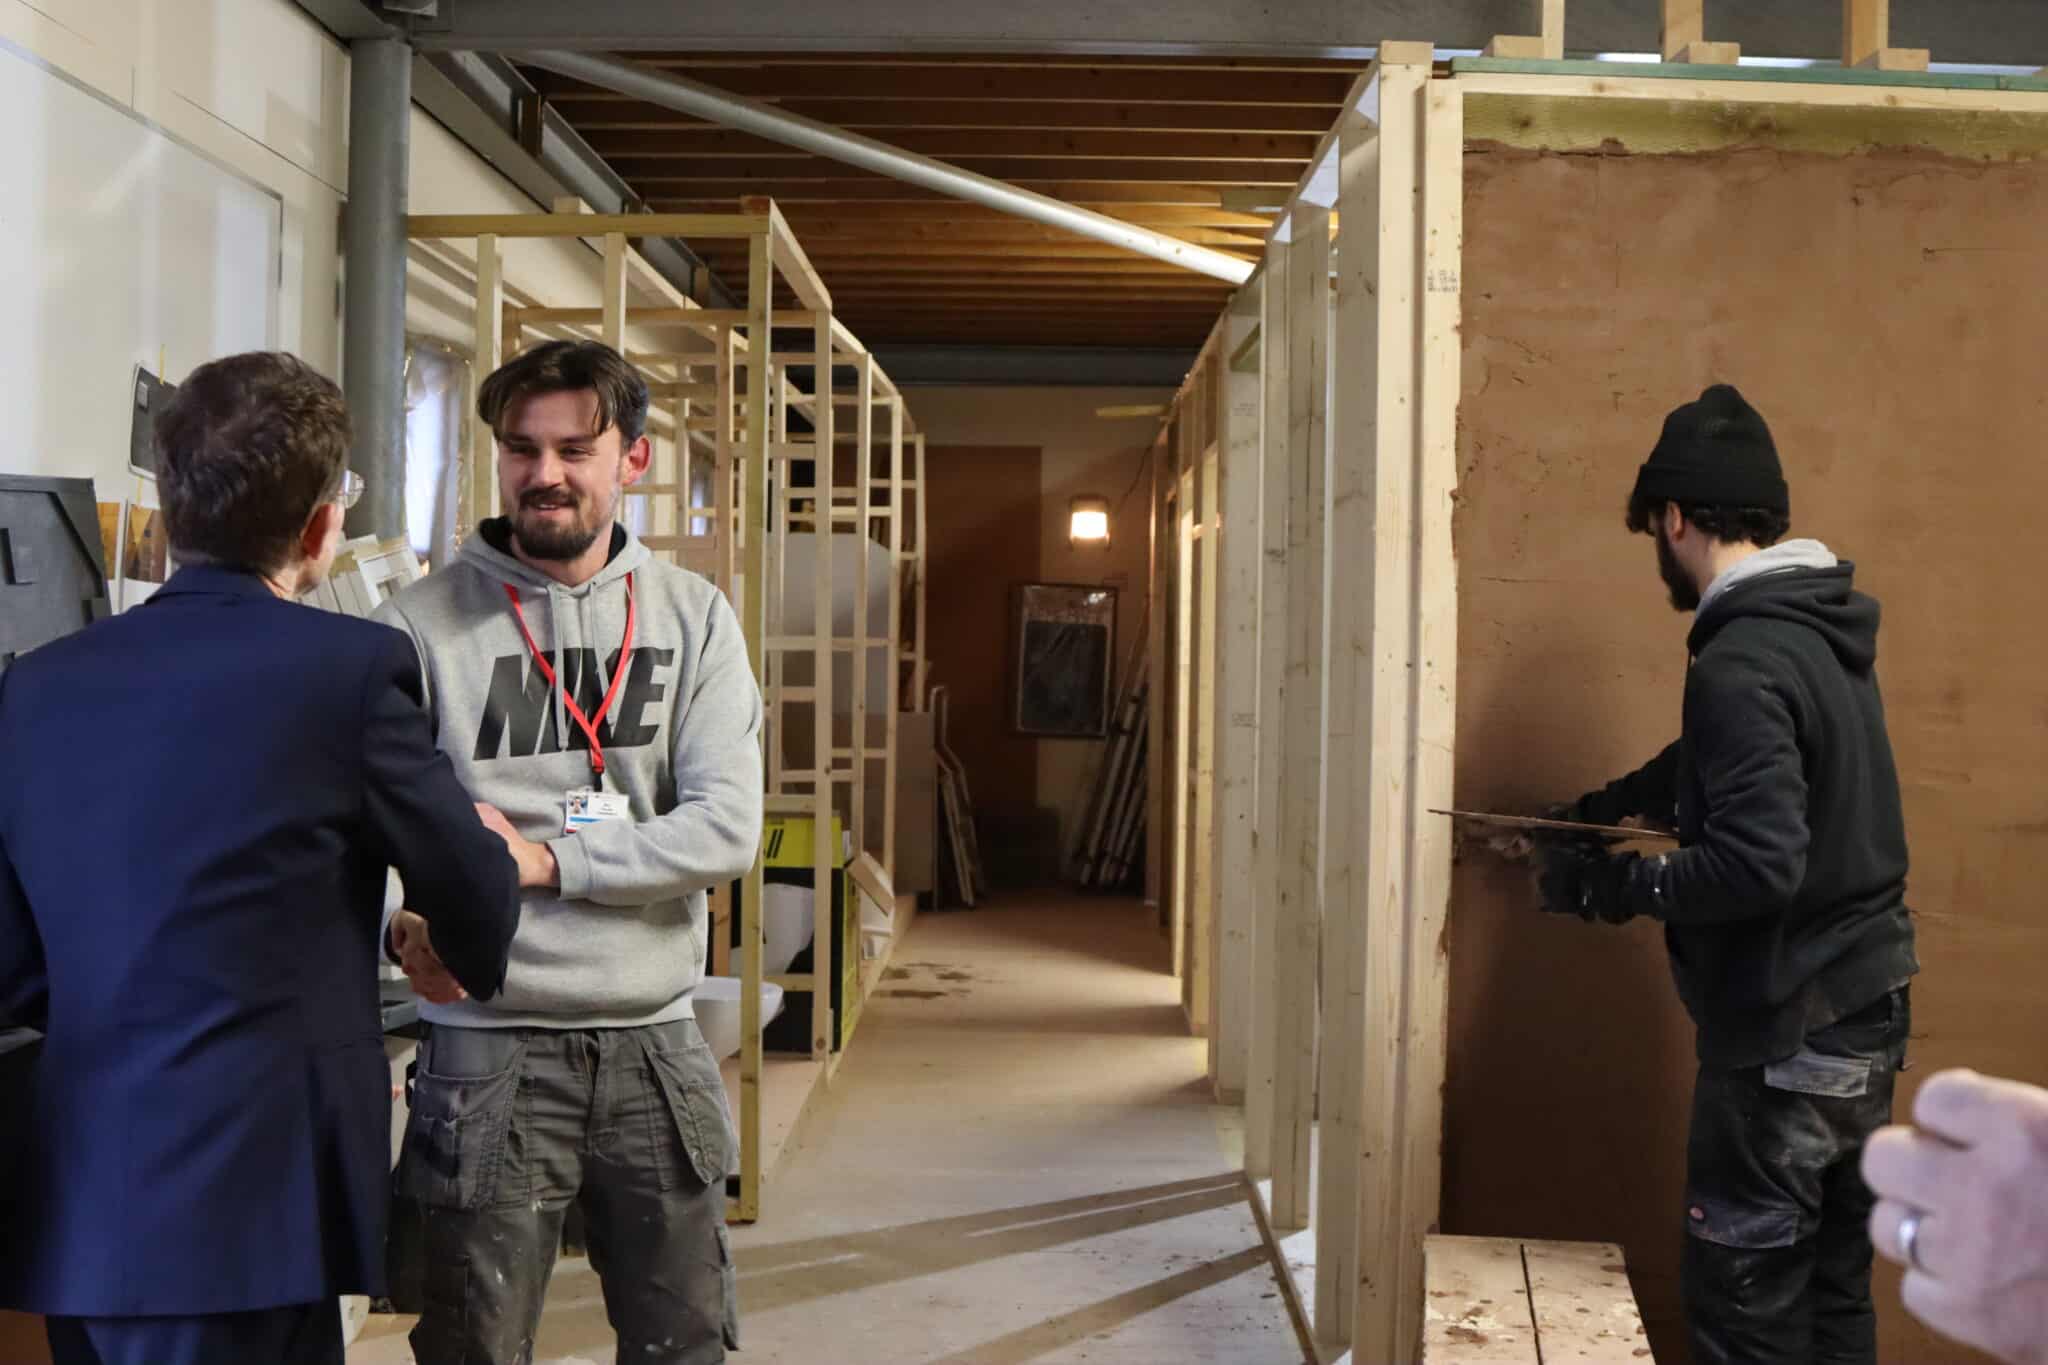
1888	313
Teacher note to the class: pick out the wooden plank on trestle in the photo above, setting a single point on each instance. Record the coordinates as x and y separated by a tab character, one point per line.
1476	1303
1236	699
1583	1308
1390	1243
1300	861
1272	716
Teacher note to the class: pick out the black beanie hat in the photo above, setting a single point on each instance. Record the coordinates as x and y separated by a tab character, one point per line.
1716	452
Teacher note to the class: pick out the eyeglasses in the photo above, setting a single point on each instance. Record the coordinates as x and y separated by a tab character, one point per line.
351	490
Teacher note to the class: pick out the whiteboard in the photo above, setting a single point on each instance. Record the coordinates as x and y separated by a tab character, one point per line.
119	246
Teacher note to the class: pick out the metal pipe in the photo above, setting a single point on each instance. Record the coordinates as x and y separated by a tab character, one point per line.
373	354
777	125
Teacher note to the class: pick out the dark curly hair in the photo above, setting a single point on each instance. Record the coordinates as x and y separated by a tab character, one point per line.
1759	526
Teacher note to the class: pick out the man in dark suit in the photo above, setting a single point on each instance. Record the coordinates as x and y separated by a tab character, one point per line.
201	801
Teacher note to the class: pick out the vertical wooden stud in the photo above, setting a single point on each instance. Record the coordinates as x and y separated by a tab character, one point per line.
1299	926
825	864
1267	866
615	291
1867	37
1240	471
483	447
754	628
892	765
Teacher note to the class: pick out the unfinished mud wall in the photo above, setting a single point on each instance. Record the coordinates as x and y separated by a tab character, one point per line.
1888	313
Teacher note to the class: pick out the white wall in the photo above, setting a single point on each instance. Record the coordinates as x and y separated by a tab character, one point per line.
259	86
1080	453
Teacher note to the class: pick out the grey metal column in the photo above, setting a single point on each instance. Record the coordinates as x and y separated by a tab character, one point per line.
373	353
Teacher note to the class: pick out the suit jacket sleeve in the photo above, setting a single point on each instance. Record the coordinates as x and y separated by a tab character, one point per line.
1750	857
711	834
458	875
24	980
24	977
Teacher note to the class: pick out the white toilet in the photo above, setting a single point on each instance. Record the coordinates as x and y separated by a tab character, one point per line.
718	1011
787	925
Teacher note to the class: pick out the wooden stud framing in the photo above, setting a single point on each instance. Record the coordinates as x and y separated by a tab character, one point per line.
921	661
1300	888
1180	773
1157	841
863	536
1546	45
1867	37
1274	636
483	444
893	699
1235	624
615	291
1203	938
754	627
1684	37
826	856
1433	677
744	439
1372	566
1365	879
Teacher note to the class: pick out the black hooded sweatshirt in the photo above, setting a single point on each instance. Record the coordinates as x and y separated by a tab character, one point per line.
1784	905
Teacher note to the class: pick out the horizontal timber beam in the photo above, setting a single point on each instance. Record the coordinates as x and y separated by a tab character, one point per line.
1957	30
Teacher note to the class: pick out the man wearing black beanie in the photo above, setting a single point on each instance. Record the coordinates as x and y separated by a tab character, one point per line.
1784	905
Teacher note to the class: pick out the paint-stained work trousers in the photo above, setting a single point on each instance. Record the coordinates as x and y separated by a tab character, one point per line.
509	1127
1777	1253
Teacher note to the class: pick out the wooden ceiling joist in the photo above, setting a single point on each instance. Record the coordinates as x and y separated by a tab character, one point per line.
1025	84
1180	145
881	117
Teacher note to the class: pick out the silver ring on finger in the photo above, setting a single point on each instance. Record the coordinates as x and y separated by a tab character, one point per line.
1909	1238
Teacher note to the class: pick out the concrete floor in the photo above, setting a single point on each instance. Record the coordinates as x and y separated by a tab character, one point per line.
1017	1162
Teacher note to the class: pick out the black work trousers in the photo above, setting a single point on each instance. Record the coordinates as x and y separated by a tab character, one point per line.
1777	1258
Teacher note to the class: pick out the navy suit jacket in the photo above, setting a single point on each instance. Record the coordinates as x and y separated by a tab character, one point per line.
198	801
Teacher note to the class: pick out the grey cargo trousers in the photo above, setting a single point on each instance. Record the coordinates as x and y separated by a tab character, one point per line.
509	1127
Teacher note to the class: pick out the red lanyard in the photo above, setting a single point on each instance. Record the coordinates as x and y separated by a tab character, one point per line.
589	723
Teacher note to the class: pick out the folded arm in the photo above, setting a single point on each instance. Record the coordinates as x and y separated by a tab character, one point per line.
714	829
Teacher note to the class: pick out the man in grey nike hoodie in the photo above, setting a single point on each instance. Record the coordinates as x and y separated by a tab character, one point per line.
601	705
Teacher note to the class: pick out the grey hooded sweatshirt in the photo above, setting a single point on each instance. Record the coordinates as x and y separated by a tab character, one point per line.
622	942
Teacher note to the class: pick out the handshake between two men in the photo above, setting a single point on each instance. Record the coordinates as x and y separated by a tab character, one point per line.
410	939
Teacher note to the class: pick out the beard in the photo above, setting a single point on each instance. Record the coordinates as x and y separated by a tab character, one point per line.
556	539
1685	594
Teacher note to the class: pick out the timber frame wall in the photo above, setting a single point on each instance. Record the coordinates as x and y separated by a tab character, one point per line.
724	486
1305	603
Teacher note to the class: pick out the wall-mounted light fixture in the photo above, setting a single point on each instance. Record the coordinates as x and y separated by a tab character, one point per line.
1088	520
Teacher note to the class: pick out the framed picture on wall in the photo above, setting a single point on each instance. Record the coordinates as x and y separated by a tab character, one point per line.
1060	643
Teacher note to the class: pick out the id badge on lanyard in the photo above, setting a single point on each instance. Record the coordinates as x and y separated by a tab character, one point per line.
586	806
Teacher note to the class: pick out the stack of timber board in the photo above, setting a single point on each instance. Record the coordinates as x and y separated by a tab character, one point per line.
1114	830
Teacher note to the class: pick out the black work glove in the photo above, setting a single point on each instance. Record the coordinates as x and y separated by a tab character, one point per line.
1584	879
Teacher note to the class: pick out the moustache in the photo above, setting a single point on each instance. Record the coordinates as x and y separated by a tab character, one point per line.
549	499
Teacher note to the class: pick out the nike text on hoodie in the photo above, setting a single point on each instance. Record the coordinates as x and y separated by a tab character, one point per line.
622	942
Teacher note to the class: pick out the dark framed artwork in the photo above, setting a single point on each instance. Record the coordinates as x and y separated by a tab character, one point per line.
1060	643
